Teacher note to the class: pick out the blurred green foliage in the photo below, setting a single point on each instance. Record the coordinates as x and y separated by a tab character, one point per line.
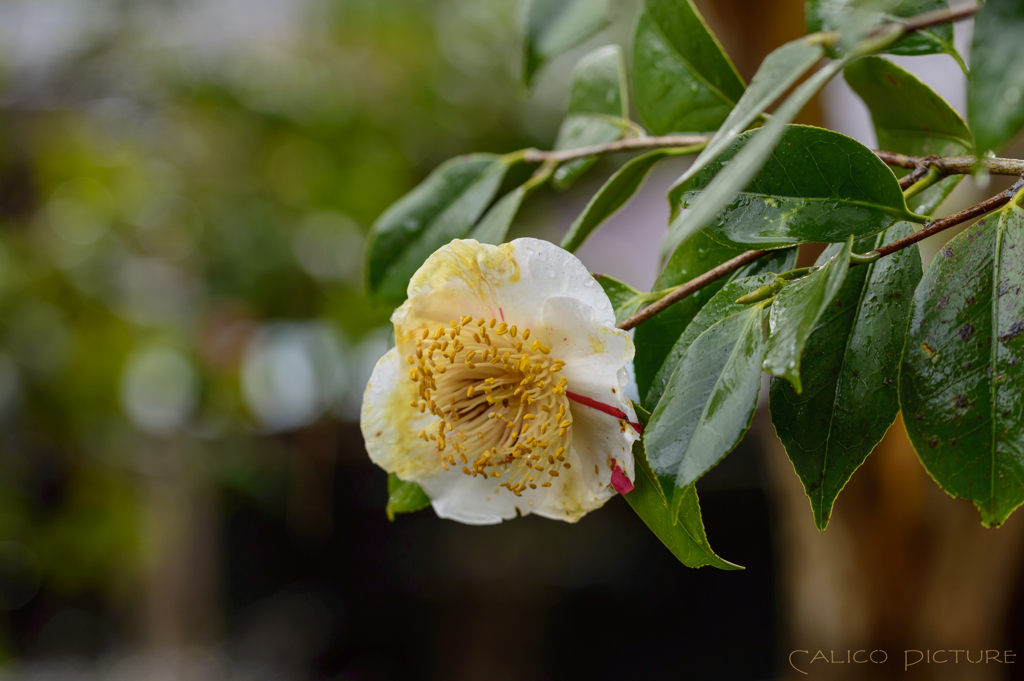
184	192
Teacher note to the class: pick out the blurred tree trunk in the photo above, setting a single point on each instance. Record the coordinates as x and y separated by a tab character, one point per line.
902	566
182	581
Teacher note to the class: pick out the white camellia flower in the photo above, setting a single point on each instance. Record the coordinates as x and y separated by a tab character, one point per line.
506	390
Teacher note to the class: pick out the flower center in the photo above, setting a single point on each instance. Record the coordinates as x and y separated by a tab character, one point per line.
500	409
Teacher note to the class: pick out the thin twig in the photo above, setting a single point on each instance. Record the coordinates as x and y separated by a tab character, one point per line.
950	165
954	165
936	226
939	16
691	287
730	266
628	144
910	178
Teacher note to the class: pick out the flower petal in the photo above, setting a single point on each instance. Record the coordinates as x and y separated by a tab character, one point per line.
476	501
509	283
390	425
595	353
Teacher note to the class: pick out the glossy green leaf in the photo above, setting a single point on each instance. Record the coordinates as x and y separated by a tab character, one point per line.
404	497
682	79
554	26
962	374
598	109
747	162
774	77
721	305
795	314
656	337
995	97
910	118
817	186
443	207
493	227
709	401
934	40
850	367
835	15
625	299
615	193
683	534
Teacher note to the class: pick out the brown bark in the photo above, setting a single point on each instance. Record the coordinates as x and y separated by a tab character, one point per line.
901	567
181	582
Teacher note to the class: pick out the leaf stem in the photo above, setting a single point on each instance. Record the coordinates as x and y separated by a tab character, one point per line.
932	175
910	178
540	176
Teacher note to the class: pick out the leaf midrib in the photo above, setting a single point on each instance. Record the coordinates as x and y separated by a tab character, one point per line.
839	382
853	202
689	66
718	381
992	352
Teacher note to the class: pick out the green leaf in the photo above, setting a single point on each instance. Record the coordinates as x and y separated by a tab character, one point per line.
795	314
404	497
962	374
933	40
615	193
910	118
834	15
721	305
747	164
555	26
817	186
777	73
709	400
995	97
682	79
625	299
684	534
443	207
598	109
850	367
493	227
656	337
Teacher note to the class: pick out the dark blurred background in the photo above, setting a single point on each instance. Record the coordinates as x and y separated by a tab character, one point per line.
185	190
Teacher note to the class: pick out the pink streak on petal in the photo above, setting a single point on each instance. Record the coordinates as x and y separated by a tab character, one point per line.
620	482
602	407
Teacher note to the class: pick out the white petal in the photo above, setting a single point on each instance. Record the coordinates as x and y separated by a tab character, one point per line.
476	501
390	425
508	282
597	439
596	354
